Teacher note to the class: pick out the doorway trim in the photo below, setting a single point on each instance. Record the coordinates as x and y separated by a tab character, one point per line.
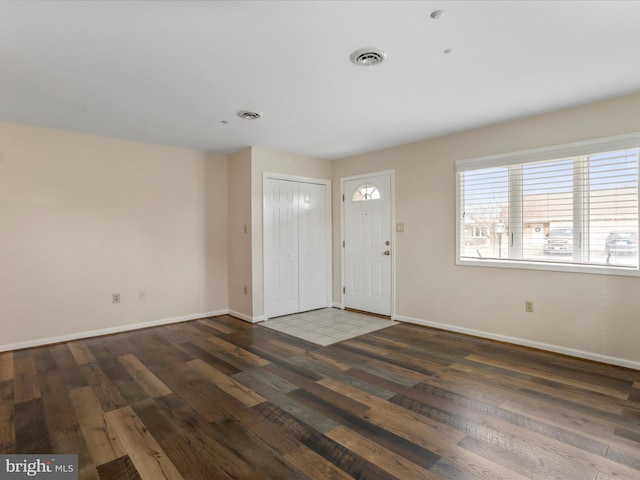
316	181
343	180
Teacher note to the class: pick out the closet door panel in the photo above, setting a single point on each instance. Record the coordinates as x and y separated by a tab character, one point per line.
313	246
280	223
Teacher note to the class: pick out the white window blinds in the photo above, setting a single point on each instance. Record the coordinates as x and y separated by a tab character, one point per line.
575	205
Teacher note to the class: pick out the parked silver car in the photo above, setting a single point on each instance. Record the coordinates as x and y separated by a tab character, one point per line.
559	240
622	243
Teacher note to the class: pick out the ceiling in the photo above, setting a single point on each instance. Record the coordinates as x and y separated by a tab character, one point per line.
171	72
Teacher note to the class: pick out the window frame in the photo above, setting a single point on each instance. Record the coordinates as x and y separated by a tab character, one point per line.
478	232
514	159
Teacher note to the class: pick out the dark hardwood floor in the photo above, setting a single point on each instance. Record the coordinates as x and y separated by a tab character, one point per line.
222	399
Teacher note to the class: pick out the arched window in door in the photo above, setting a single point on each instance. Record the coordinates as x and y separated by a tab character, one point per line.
365	192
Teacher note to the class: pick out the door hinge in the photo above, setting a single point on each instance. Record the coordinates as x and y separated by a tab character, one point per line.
343	197
342	243
344	290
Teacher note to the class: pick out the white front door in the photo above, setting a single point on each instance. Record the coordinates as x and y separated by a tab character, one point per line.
367	248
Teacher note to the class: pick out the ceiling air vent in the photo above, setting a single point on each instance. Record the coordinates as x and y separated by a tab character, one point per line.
247	115
368	57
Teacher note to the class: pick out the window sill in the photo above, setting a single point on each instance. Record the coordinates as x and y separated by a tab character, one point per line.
549	266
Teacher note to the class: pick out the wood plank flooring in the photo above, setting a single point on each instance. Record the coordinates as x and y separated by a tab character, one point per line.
219	398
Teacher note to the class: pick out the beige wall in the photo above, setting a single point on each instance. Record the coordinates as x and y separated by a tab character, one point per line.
82	217
586	312
272	161
240	240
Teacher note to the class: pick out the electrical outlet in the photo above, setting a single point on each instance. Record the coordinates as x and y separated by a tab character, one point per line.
142	295
115	298
528	306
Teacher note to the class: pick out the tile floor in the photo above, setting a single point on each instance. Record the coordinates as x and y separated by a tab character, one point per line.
327	326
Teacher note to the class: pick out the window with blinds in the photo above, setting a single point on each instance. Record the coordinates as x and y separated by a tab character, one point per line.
573	207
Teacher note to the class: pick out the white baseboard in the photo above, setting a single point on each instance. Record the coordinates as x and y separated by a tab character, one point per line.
338	305
401	318
107	331
597	357
247	318
241	316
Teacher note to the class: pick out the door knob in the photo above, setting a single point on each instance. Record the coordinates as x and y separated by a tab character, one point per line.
387	252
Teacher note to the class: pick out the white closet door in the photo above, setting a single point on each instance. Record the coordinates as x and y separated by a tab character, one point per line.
280	247
296	247
313	248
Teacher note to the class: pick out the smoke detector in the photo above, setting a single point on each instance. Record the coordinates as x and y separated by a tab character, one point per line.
247	115
368	57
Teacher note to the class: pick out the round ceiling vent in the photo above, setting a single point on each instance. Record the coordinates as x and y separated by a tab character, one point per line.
368	57
247	115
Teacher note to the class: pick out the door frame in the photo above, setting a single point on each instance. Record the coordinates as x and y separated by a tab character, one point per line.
343	180
316	181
